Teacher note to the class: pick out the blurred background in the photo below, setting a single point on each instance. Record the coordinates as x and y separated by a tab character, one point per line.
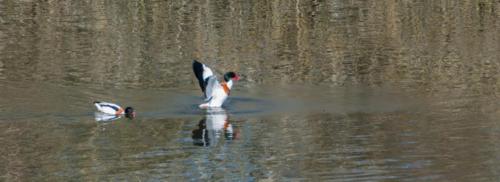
430	46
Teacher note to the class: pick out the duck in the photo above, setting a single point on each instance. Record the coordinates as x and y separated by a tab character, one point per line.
215	93
114	109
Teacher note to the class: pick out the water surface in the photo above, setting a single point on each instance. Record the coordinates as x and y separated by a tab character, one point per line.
330	90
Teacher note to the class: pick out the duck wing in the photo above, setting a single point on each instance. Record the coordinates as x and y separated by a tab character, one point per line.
106	107
202	73
212	84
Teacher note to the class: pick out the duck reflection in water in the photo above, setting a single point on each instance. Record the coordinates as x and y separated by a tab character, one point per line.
212	126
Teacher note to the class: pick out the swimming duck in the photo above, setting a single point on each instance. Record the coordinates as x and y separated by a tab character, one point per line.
215	93
114	109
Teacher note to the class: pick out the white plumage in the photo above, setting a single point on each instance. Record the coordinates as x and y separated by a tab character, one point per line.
108	108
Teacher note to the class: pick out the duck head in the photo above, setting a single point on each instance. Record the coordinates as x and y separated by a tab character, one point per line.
129	112
231	76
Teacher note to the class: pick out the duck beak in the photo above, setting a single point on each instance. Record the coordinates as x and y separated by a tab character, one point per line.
236	78
131	115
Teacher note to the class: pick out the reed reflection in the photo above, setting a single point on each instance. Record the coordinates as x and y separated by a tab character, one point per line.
211	127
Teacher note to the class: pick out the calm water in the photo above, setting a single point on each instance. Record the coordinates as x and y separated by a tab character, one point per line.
330	90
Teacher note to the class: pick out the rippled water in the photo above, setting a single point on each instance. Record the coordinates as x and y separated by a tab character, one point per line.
330	90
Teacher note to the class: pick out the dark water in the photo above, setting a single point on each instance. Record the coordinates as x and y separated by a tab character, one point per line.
330	90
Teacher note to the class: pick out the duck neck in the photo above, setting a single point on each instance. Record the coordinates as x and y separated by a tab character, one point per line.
229	84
